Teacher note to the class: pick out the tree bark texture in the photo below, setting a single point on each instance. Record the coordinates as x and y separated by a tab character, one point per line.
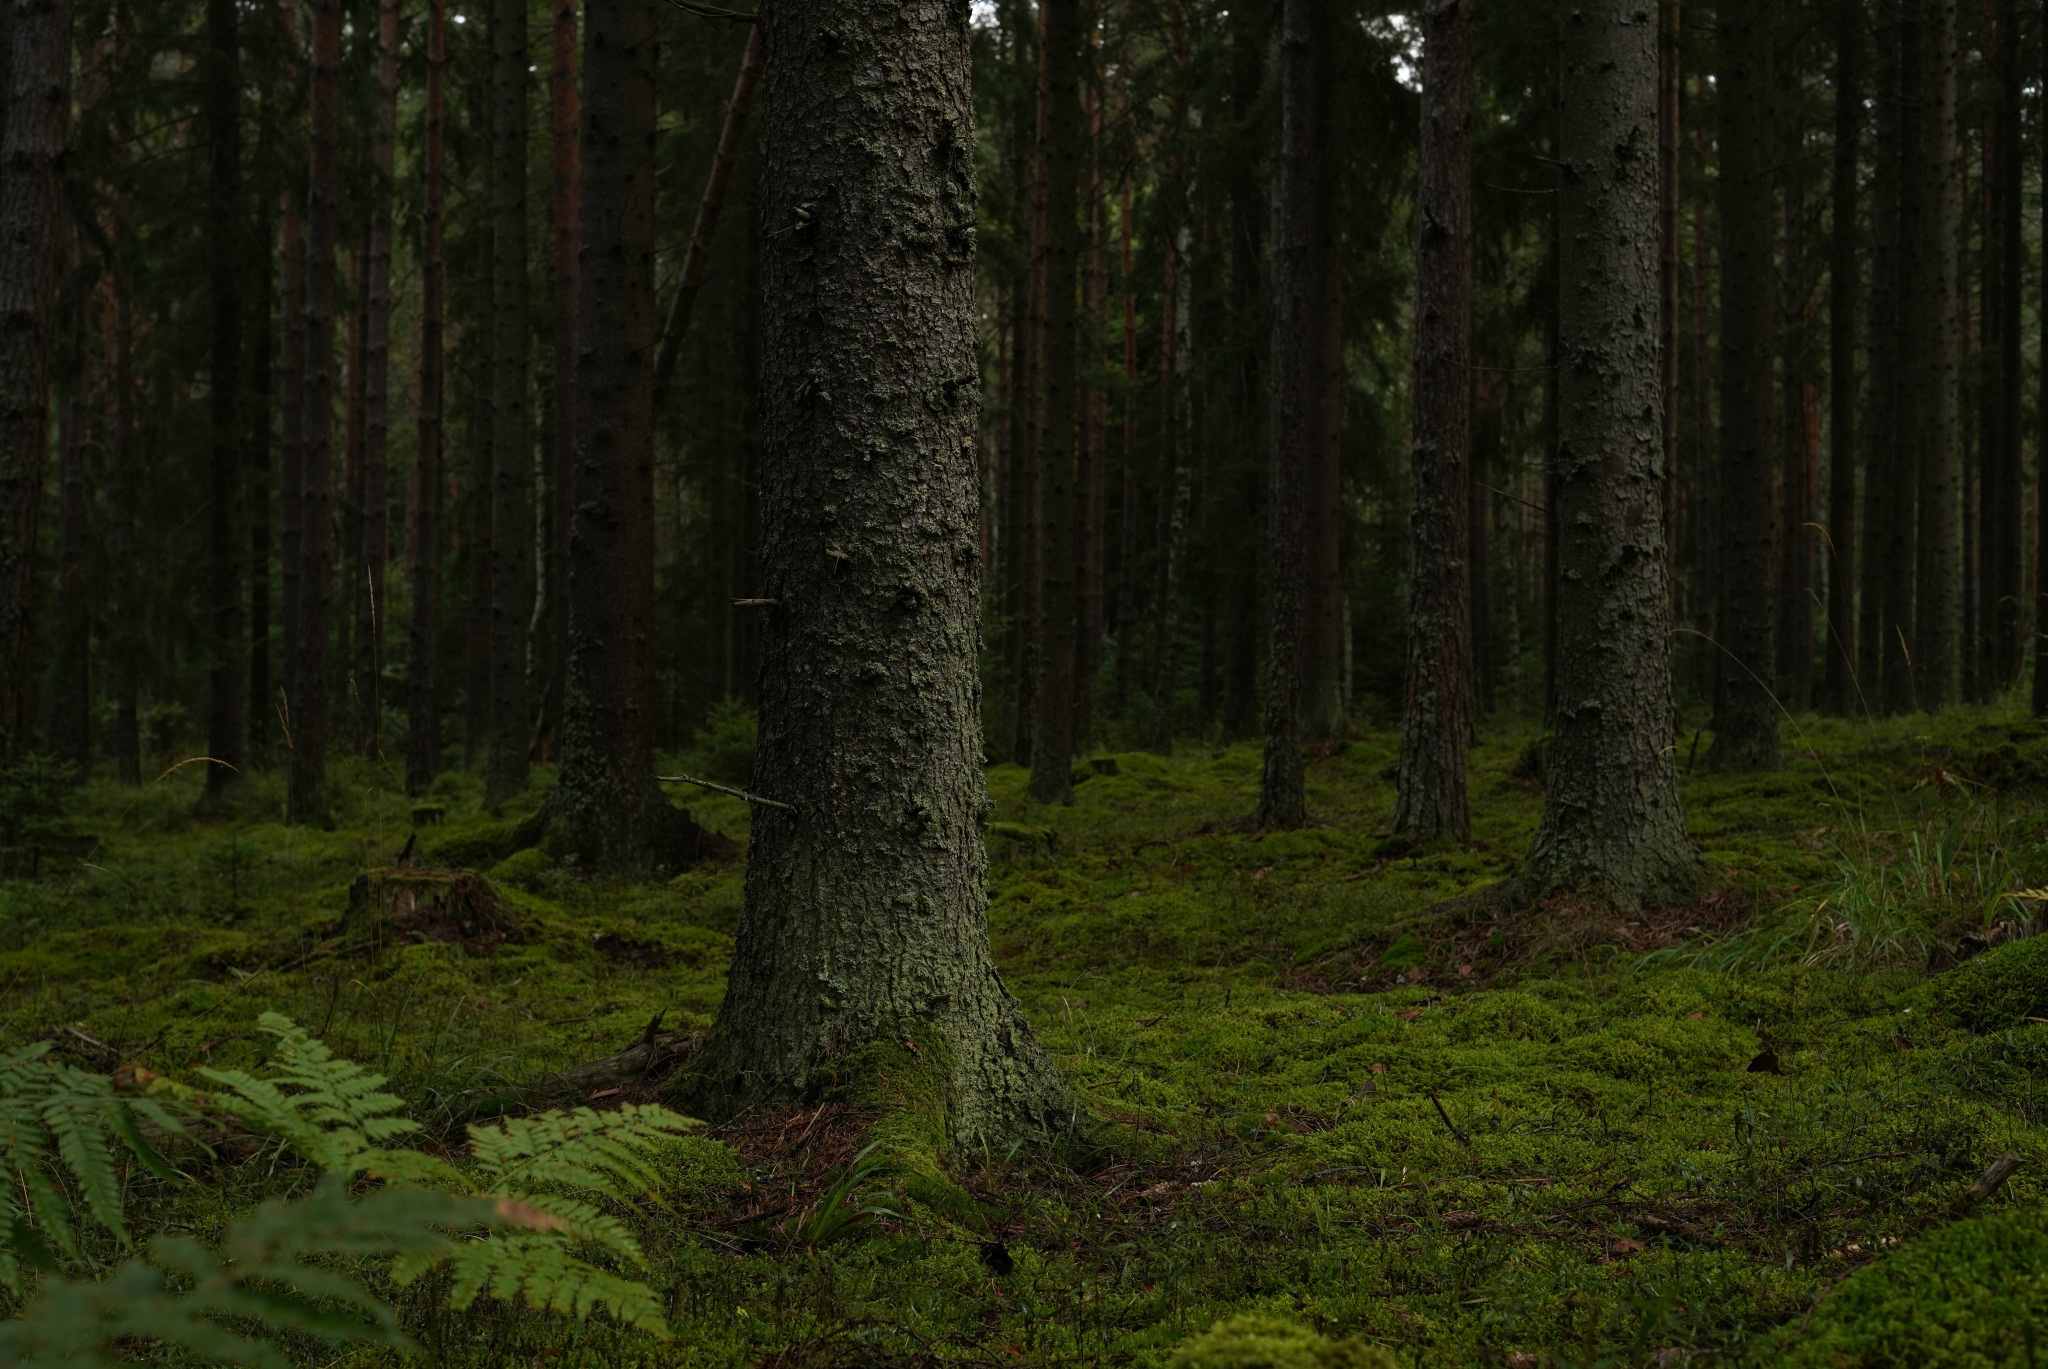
865	920
511	463
565	226
260	450
226	710
1612	830
1841	691
1322	699
1890	478
1027	487
1052	745
1296	392
422	692
1930	351
307	795
606	807
1797	434
1438	718
38	100
291	429
476	692
2003	491
1746	714
375	480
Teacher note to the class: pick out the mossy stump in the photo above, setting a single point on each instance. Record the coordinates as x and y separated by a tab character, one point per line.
392	907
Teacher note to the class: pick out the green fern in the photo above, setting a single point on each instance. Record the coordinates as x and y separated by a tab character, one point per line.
58	1123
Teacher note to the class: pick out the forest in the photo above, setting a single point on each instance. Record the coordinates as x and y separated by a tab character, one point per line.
1294	684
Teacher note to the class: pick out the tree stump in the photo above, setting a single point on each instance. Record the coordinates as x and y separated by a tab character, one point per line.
392	907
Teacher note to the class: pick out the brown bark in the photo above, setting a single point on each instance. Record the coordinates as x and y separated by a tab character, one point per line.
422	693
1296	392
677	325
1612	830
307	794
38	100
865	920
1841	694
1746	715
506	772
1438	717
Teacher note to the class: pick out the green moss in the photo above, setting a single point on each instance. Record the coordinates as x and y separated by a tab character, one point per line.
1972	1295
1255	1342
1998	988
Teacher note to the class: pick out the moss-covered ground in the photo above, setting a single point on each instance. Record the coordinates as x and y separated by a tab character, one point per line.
1737	1133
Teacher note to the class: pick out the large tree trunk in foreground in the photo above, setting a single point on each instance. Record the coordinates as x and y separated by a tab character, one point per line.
1052	743
422	694
1296	397
1439	717
38	102
1745	714
511	464
607	807
1612	829
307	801
865	922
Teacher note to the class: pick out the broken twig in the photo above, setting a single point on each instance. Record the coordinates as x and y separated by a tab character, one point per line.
726	789
1463	1139
1990	1181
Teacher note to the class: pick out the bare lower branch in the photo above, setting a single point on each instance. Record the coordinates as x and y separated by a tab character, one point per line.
725	789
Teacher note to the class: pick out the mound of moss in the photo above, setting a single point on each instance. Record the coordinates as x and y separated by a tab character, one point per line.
1973	1295
1254	1342
1997	989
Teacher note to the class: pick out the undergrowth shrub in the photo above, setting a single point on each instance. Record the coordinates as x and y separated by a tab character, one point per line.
1998	989
1974	1293
531	1218
37	795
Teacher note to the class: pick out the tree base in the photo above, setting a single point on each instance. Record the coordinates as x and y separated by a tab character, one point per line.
650	834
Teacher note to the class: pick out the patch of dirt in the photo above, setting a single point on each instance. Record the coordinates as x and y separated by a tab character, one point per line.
626	950
794	1156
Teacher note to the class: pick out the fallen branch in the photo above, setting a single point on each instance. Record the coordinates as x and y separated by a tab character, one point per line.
655	1048
1463	1139
726	789
1990	1181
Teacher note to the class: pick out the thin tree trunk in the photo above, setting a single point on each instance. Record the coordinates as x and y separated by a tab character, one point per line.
1127	504
699	255
2040	690
70	736
607	807
1670	88
1746	717
1890	470
291	422
1932	357
38	100
1250	40
1430	781
307	801
1322	700
1297	283
124	583
1091	451
1052	743
1029	489
870	657
2003	488
1706	580
477	628
257	413
226	708
511	507
375	481
565	225
1841	694
1612	830
423	700
1795	479
1173	503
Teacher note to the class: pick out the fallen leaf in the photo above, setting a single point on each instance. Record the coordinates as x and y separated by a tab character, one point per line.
1411	1015
1262	872
1694	1016
1379	1068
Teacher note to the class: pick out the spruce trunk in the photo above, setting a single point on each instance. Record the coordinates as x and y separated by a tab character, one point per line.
506	771
422	693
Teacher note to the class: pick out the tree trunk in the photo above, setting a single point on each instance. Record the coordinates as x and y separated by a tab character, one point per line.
375	480
1173	496
1841	691
565	225
1091	450
124	615
1670	91
38	100
291	486
1706	577
1052	745
1297	285
1127	503
1794	642
422	694
511	532
307	799
1438	717
864	936
1250	39
226	708
1746	716
1930	352
1612	829
1890	476
2003	489
2040	691
1028	489
607	807
70	736
257	415
476	691
1322	700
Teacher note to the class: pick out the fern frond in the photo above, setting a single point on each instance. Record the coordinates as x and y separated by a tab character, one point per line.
604	1152
546	1277
571	1220
76	1115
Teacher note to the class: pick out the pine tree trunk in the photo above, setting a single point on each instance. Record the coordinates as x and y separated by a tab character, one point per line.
32	211
1052	745
607	807
2039	700
1841	691
1746	715
1438	717
1670	90
375	482
511	463
1931	354
307	800
123	473
1706	573
865	921
565	226
1612	830
422	692
1297	285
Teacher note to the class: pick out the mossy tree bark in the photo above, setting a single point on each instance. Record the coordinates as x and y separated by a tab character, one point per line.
607	808
865	921
1052	745
1439	717
1745	713
1612	829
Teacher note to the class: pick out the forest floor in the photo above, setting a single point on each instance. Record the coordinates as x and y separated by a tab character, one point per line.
1741	1132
